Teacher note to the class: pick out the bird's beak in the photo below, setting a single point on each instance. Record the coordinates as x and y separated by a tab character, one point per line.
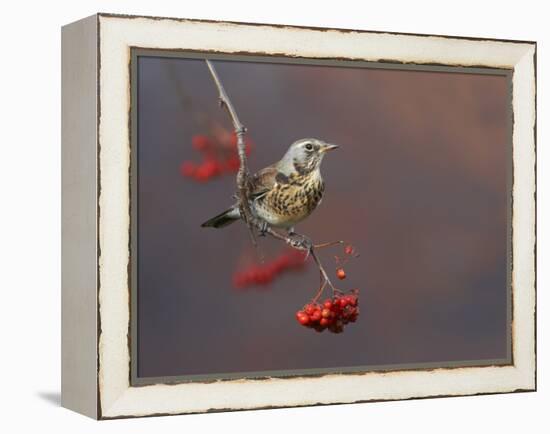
329	147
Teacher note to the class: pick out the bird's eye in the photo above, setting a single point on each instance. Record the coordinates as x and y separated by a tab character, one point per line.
309	147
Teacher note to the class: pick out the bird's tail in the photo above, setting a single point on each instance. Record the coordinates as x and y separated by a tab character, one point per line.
224	219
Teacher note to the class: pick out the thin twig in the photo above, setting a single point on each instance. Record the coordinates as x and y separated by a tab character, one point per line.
322	269
323	245
243	174
321	289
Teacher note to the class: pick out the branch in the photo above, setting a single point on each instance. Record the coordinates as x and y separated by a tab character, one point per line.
243	173
301	242
296	241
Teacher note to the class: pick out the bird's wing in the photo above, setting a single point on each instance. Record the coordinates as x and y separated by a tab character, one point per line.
264	180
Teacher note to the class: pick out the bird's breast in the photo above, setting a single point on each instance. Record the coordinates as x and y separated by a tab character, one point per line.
288	203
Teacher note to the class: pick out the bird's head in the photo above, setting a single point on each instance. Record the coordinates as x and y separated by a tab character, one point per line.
305	155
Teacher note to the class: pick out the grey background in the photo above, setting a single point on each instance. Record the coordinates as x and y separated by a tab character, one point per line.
420	187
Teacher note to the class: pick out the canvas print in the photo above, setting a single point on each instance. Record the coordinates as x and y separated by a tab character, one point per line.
296	217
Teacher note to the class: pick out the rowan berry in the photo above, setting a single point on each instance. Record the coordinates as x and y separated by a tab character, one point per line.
316	315
340	273
310	308
302	317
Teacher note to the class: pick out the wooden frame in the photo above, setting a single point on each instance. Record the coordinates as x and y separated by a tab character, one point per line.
96	215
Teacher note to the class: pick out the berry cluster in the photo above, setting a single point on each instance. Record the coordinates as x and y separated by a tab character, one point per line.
333	314
263	274
219	156
350	250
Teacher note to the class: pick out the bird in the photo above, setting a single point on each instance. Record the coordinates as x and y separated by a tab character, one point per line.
286	192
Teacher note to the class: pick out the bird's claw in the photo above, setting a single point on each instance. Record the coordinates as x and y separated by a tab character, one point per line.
263	229
301	242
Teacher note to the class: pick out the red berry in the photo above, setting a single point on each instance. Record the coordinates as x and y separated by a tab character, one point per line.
324	322
340	273
250	274
302	317
283	262
325	313
349	300
343	302
232	163
310	308
327	304
202	173
263	276
348	250
316	315
212	167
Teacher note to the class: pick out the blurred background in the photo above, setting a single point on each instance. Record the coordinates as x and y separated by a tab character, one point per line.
419	187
